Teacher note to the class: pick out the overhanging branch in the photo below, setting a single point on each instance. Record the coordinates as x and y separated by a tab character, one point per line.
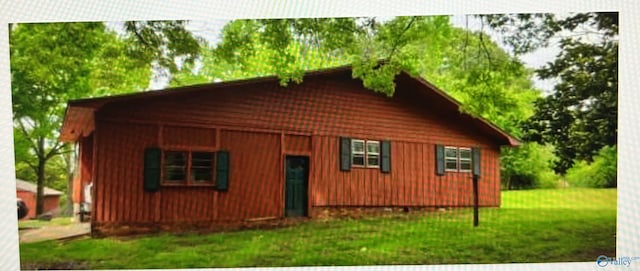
26	134
54	151
395	45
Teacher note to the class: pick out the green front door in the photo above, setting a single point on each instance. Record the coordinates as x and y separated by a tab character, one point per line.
296	168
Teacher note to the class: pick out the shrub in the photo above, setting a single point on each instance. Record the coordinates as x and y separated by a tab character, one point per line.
548	179
601	173
528	166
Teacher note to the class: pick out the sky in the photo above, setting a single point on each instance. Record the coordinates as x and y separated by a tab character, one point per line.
210	30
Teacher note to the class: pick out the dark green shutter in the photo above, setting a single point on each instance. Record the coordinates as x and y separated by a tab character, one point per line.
152	169
385	156
439	160
476	161
345	154
222	170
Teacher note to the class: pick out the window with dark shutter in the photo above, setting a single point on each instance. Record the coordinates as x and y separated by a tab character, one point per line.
457	159
364	153
152	169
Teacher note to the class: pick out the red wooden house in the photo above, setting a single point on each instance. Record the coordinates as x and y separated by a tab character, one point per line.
28	193
224	153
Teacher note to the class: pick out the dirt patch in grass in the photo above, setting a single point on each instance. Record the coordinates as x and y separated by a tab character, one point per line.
70	265
594	253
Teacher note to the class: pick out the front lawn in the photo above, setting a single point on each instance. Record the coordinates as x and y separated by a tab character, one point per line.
531	226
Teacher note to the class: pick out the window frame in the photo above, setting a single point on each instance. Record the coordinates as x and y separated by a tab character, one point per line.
164	166
445	158
365	153
460	159
354	153
187	181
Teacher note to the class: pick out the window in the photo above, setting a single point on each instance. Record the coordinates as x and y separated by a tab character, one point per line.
464	159
373	154
201	167
175	166
365	153
457	159
357	152
451	158
186	167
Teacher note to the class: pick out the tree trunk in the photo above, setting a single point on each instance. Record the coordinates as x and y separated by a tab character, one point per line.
40	195
42	160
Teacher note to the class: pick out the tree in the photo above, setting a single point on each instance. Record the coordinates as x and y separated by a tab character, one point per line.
215	66
46	69
362	42
53	63
580	117
164	44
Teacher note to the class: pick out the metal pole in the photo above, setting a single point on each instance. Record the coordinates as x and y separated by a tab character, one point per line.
475	200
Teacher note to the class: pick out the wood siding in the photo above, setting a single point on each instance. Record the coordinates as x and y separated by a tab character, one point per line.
411	182
188	137
323	106
258	124
255	186
85	169
118	189
297	144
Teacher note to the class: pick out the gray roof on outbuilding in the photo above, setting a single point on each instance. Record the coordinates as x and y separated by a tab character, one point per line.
31	187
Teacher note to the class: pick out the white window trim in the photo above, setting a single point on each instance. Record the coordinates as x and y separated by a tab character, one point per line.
460	159
363	152
450	158
367	153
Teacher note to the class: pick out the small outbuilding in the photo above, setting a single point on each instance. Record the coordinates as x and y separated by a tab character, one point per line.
226	153
28	193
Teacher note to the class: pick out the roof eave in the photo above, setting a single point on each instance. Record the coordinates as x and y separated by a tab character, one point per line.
499	133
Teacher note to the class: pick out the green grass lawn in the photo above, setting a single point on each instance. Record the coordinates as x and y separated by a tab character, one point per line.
531	226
